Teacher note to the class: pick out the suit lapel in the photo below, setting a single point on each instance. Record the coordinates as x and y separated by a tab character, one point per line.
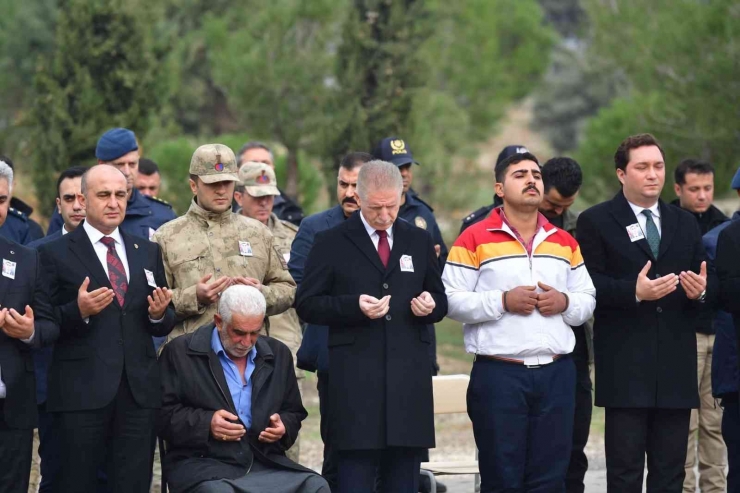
135	267
85	253
625	216
668	225
357	233
400	244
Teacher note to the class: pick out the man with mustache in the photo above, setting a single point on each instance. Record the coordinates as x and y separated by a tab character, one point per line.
518	284
313	354
210	248
256	193
144	215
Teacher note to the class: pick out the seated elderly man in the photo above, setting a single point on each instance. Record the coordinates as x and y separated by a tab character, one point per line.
231	406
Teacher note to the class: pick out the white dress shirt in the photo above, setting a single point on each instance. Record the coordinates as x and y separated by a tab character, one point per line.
642	220
374	234
102	251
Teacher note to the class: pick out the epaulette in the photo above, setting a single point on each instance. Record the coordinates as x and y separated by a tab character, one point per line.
157	199
17	213
289	225
473	216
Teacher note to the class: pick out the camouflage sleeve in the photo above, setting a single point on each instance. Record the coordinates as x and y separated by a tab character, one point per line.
184	299
278	286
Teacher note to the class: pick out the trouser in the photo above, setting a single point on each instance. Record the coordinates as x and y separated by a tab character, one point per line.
523	424
120	435
329	467
395	468
582	418
16	448
49	452
731	435
294	452
631	434
705	429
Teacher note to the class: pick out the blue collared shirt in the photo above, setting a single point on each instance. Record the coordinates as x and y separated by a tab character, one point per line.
241	393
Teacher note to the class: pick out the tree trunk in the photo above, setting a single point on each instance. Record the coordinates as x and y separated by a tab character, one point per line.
291	173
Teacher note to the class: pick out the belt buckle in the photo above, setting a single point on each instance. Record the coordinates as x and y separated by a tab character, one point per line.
532	367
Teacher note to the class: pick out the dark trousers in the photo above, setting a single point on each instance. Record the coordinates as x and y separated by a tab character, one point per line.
15	456
731	436
49	452
396	469
118	436
630	434
329	467
523	424
582	417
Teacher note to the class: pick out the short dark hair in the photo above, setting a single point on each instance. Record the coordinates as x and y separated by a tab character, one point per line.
564	174
355	159
148	167
73	172
691	165
7	161
253	144
516	158
622	156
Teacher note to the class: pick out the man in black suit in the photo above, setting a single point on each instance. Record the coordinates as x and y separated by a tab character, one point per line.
26	320
643	256
111	296
377	298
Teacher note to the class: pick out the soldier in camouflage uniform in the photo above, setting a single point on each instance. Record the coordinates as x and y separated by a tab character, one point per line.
255	194
210	248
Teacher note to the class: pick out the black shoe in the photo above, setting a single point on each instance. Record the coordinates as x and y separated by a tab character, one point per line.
426	487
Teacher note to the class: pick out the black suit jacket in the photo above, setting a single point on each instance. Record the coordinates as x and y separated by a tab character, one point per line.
89	358
16	366
645	353
380	380
194	387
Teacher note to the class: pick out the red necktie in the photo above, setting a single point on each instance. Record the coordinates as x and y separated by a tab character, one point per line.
116	271
384	248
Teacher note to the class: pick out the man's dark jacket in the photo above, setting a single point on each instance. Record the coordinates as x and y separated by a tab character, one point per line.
708	220
380	380
90	358
727	265
645	353
194	388
29	287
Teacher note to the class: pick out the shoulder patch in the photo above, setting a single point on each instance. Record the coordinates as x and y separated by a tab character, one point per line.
289	225
157	199
477	214
17	213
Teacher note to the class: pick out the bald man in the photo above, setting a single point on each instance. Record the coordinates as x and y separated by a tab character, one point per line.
111	296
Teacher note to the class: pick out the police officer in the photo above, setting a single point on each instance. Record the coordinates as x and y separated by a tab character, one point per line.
210	248
19	227
417	212
256	194
144	215
482	213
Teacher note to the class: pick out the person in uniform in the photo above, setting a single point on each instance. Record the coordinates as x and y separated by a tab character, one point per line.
19	227
256	193
482	213
285	208
144	215
210	248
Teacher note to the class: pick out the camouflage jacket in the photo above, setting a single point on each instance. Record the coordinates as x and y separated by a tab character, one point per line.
202	242
285	327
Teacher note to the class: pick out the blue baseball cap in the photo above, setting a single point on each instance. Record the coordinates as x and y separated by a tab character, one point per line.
394	150
115	143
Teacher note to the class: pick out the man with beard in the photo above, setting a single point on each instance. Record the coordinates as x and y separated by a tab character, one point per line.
313	354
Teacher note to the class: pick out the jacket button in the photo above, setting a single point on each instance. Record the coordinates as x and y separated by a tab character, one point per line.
120	342
124	313
659	310
385	285
388	317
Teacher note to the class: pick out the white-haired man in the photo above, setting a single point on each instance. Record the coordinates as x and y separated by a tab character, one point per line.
377	298
231	406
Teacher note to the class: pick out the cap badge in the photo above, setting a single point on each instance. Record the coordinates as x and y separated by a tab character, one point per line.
263	178
398	147
219	166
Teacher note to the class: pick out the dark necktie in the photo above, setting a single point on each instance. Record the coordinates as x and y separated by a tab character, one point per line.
651	233
384	248
116	271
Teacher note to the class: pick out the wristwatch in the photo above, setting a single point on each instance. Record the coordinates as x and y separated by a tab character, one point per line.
702	297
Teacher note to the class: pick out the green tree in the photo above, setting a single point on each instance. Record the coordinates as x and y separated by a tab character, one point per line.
273	66
104	73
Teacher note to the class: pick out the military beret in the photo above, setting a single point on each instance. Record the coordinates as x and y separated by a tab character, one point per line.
115	143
